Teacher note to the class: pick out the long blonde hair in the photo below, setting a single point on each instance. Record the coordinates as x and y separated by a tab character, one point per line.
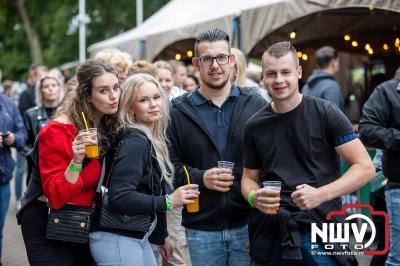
159	136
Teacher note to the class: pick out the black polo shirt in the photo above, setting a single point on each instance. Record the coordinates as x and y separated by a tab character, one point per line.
217	119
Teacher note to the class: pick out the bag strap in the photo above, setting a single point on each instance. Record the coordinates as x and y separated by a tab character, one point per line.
103	172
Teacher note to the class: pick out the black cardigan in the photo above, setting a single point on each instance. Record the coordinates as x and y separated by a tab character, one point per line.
191	144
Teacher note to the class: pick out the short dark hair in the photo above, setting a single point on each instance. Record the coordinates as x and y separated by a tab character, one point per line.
325	55
280	49
212	35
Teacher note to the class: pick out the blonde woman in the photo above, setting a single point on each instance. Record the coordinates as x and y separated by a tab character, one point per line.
135	176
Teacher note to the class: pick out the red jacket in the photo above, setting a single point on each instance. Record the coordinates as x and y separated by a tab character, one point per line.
55	154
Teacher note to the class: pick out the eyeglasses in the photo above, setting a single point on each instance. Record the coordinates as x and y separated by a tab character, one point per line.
222	59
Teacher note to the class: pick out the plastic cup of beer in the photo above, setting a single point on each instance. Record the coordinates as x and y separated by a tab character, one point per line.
92	151
193	207
226	164
274	188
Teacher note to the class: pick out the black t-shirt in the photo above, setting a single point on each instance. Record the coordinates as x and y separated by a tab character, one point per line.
297	147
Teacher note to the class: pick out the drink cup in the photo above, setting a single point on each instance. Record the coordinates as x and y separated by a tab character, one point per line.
193	207
226	164
272	189
92	151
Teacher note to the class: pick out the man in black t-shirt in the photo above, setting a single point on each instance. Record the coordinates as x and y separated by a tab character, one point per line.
296	140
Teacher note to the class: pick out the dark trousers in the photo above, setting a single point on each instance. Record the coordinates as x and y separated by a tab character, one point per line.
44	252
377	200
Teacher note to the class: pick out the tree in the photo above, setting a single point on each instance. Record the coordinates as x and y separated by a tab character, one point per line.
57	30
31	32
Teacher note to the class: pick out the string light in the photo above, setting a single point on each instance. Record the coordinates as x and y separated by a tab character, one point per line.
367	46
304	57
397	42
189	53
292	35
370	51
385	47
299	54
346	37
178	56
354	43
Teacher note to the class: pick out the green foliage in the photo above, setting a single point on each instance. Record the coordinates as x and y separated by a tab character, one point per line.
59	36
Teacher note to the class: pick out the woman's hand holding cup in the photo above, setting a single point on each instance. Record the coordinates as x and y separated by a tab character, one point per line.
184	195
78	146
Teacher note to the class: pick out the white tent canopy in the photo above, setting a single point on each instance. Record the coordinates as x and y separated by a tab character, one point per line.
179	19
183	19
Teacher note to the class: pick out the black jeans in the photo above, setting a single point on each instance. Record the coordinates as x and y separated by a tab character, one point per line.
377	200
44	252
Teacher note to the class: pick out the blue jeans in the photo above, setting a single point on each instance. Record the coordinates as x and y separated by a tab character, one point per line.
20	169
116	250
308	259
4	202
392	197
218	248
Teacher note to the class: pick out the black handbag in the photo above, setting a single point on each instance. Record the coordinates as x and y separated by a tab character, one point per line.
70	224
114	220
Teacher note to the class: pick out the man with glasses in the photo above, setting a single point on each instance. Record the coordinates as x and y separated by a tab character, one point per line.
207	126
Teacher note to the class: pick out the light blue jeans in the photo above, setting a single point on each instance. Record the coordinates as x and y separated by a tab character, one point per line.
218	248
115	250
392	197
4	202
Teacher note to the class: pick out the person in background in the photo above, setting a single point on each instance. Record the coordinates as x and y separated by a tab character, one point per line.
239	74
7	88
49	94
191	83
179	73
12	134
143	67
180	255
207	126
120	60
24	96
165	74
28	97
322	83
67	175
136	182
70	85
380	128
282	143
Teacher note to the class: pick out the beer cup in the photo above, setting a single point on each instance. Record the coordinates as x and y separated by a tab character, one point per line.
272	189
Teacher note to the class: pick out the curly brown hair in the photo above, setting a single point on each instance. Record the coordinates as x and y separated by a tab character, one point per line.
77	101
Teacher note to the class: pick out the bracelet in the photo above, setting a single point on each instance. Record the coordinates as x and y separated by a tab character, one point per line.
74	168
168	203
250	198
75	163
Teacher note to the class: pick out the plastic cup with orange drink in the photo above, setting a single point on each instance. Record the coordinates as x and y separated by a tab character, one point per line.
272	189
191	207
92	150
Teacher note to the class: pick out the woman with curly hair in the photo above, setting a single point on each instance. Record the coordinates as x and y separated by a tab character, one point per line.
67	175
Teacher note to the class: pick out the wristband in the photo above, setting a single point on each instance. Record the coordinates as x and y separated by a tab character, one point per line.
250	198
168	203
74	169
